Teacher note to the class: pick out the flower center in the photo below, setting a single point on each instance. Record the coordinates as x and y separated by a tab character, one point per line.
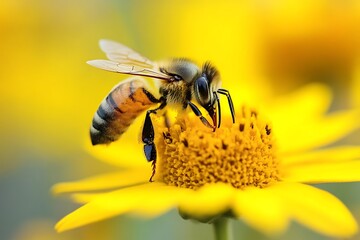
241	154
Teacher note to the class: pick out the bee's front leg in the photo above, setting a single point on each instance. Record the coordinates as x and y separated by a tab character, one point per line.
198	113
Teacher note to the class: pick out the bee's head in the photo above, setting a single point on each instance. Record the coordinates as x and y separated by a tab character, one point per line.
205	87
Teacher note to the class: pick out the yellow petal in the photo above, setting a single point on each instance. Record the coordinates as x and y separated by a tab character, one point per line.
148	200
316	133
208	201
83	198
120	154
306	103
323	172
316	209
335	154
261	209
105	181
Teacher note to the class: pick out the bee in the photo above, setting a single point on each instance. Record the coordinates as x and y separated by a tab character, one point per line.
180	83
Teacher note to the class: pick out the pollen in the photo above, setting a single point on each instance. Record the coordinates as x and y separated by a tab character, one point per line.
241	154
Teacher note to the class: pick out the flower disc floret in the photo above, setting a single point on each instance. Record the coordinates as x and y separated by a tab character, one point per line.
241	155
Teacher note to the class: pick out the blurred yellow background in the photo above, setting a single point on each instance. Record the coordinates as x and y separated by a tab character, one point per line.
48	94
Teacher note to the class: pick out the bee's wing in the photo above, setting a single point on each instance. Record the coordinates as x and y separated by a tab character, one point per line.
128	69
120	53
127	61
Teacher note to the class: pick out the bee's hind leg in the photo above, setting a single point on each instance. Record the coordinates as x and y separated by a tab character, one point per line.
148	136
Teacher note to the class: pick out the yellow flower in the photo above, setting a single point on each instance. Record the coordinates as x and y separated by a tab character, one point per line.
321	34
257	170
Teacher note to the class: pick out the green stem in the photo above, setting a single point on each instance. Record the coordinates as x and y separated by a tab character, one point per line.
223	229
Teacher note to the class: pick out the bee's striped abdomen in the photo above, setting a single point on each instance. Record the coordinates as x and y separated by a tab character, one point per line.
119	109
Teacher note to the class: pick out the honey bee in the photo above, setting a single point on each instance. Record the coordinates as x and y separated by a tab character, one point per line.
180	81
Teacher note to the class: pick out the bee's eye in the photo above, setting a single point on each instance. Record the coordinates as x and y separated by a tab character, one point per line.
202	91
